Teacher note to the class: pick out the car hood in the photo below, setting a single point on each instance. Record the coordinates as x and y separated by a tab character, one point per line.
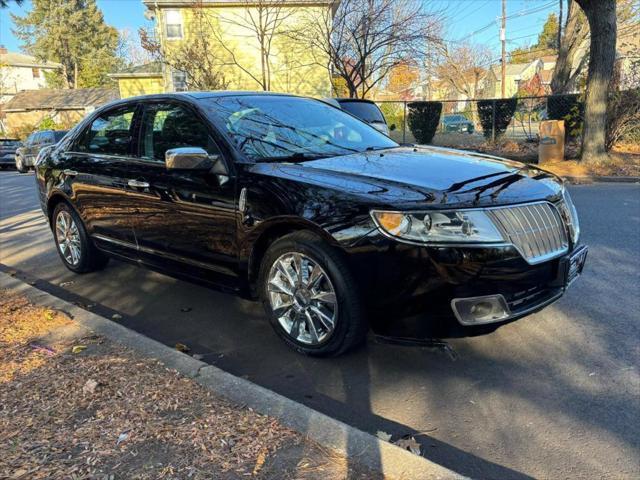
413	177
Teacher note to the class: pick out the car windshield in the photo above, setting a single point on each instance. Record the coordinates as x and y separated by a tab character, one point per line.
455	118
366	111
268	128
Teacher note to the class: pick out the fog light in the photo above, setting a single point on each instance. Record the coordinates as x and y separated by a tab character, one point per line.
480	310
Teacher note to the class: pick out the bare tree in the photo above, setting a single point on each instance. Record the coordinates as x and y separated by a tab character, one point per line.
261	21
571	57
462	67
198	57
365	39
601	15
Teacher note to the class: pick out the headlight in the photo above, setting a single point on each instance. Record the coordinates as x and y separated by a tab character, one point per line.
570	214
440	226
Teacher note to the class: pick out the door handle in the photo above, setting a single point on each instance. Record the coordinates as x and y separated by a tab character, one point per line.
69	173
137	184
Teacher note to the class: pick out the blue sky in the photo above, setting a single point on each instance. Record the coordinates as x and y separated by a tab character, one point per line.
464	17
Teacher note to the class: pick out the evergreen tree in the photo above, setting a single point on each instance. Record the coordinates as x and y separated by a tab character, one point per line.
547	43
73	33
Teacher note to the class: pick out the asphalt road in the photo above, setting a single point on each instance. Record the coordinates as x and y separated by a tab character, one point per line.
554	395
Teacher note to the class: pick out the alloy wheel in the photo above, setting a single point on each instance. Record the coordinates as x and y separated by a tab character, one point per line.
68	238
302	298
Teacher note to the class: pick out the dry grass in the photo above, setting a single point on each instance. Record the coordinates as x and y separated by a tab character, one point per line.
107	413
618	164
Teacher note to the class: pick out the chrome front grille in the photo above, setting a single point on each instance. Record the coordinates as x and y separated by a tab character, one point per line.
536	230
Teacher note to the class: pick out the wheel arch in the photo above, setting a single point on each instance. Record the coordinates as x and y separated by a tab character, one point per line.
269	234
54	199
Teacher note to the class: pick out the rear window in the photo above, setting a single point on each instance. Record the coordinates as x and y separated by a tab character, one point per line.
369	112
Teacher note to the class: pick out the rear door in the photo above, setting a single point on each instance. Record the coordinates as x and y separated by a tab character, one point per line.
185	219
97	167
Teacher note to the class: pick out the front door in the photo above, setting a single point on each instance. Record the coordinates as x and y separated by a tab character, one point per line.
185	219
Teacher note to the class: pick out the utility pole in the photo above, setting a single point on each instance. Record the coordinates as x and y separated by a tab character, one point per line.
503	39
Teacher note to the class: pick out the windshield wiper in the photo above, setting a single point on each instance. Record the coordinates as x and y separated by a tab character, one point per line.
294	157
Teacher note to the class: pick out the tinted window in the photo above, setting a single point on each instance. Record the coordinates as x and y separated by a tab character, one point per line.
366	111
57	136
46	137
167	126
270	127
33	138
110	133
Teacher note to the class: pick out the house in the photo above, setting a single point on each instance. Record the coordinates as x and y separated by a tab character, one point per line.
140	80
28	108
516	75
293	66
22	72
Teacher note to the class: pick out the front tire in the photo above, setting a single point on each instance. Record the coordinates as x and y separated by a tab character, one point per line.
73	243
310	296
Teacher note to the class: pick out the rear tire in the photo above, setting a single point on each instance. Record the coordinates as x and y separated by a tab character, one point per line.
324	290
77	251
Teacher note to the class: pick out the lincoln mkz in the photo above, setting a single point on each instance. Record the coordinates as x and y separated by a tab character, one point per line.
333	226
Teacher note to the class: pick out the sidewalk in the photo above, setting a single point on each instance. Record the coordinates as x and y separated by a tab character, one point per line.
77	405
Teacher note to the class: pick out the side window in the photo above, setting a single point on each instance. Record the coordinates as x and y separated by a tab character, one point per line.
110	133
33	138
167	126
47	137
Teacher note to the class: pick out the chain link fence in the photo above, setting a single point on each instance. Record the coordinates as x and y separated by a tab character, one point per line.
460	124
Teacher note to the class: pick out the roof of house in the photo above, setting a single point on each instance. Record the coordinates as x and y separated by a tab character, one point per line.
151	69
513	69
151	4
48	99
15	59
549	58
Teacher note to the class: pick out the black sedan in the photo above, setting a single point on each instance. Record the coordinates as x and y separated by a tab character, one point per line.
331	224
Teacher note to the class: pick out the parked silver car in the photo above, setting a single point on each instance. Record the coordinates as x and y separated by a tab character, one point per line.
25	156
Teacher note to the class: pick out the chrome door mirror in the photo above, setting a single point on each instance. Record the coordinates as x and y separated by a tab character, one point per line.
193	158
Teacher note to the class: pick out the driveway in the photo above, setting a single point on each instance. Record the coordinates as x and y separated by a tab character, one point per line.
553	395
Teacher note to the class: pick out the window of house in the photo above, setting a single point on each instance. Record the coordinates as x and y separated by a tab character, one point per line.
174	24
166	126
35	72
179	80
110	133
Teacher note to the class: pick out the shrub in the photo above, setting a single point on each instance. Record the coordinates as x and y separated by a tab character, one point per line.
423	119
570	108
623	117
505	108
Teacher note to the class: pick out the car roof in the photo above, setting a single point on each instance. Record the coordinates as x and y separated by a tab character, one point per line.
195	96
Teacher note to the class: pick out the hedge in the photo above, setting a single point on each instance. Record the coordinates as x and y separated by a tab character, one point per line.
423	119
505	108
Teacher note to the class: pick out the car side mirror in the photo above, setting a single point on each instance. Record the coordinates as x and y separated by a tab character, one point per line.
193	158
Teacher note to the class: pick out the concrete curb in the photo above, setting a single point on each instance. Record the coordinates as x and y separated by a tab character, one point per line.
364	448
601	179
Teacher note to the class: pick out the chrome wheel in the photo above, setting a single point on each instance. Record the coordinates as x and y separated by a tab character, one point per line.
68	238
302	298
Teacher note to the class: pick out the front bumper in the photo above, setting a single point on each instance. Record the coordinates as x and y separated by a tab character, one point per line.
408	287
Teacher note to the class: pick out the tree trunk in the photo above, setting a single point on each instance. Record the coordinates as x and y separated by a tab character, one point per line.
601	15
573	36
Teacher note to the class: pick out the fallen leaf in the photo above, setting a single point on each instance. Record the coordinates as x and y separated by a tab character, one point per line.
383	436
66	284
409	444
49	315
122	437
89	387
198	356
78	348
181	347
262	457
116	316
